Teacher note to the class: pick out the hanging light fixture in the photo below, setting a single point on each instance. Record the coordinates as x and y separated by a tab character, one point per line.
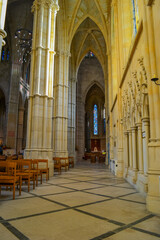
23	39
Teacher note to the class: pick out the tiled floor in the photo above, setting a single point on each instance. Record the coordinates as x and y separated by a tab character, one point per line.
87	202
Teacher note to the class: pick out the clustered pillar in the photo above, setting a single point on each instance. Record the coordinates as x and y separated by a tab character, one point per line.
39	129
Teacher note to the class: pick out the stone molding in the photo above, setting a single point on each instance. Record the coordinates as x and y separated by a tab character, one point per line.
3	33
64	53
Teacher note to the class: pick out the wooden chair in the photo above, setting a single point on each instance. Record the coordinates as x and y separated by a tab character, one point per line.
57	164
43	167
24	171
93	158
71	161
64	162
34	169
10	178
20	156
2	157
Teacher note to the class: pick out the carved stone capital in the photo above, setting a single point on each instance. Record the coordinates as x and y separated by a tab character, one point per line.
50	4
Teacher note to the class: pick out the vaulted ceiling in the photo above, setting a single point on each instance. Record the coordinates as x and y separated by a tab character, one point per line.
87	27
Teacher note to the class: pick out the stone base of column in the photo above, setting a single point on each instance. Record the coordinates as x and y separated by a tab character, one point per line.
41	154
125	175
153	204
132	176
120	169
153	197
142	183
120	163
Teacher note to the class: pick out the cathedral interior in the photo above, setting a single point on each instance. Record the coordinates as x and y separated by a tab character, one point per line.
80	79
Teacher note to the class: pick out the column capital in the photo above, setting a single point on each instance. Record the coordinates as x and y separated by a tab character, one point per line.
133	128
139	125
73	79
145	119
3	33
64	53
126	133
51	4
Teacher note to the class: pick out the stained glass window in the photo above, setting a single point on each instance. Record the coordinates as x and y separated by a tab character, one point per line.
3	55
135	16
95	119
90	54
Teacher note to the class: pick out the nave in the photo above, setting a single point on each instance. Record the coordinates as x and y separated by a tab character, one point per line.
87	202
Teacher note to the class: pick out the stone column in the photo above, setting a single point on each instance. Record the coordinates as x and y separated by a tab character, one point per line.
134	152
20	129
153	197
3	34
71	116
126	153
39	129
61	105
145	122
140	147
130	150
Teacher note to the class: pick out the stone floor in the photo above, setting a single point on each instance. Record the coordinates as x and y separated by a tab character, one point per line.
87	202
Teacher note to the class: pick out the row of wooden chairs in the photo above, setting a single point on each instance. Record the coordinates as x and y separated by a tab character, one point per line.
15	172
63	162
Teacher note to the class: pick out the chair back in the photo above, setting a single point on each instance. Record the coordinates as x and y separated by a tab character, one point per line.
9	167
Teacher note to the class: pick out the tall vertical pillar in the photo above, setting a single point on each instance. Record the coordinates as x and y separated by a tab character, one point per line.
61	105
134	152
3	34
140	147
153	197
145	122
125	153
20	129
39	129
130	150
71	116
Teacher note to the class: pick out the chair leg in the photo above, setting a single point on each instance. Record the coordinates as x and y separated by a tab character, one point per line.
48	173
28	184
20	185
13	191
33	181
36	180
41	178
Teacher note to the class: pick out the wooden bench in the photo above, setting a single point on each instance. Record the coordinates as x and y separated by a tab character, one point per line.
9	178
57	164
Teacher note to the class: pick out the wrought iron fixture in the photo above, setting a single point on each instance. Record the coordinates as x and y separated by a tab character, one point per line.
23	43
155	79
